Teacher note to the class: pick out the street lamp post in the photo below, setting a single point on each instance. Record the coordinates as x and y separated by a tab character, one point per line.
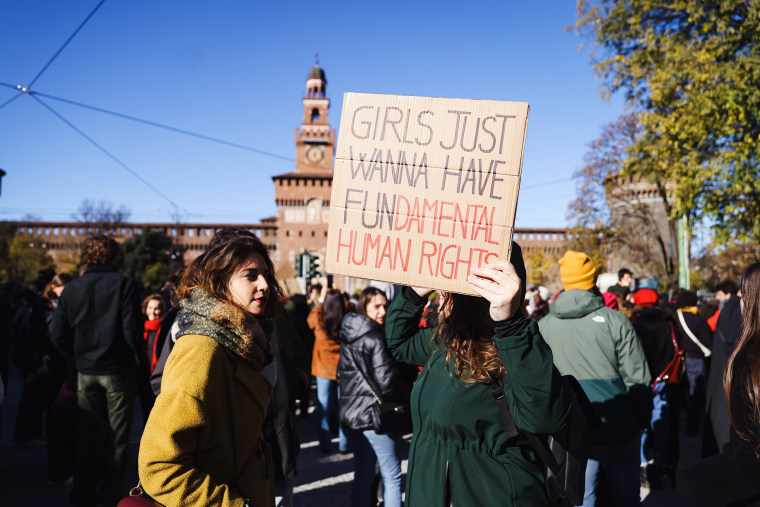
37	245
173	255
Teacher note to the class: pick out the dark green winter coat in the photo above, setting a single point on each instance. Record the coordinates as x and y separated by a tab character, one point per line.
460	445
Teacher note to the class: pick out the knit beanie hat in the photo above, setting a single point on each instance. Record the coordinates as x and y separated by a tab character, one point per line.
645	297
577	271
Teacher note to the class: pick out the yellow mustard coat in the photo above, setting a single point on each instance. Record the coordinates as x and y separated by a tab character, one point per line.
202	444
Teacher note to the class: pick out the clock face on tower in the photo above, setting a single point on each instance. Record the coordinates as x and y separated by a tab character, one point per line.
315	154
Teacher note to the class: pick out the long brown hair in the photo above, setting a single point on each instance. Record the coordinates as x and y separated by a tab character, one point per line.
741	379
213	269
331	316
466	330
59	280
366	297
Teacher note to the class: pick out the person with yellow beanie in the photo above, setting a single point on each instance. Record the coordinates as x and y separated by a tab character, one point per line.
599	347
577	271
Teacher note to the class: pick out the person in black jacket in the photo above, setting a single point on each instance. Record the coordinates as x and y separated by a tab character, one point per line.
717	430
366	369
697	340
98	323
656	328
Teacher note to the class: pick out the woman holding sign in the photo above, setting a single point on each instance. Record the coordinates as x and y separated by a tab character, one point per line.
461	453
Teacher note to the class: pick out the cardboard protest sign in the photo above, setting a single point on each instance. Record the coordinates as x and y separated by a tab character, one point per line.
424	189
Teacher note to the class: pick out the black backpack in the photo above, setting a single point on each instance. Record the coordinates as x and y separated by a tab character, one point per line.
564	453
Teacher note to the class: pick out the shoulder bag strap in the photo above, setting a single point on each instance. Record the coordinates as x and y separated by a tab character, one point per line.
535	442
498	394
369	386
688	332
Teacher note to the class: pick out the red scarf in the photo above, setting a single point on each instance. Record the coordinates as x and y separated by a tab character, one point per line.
151	325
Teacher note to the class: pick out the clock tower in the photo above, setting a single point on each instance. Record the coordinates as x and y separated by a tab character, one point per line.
303	196
315	140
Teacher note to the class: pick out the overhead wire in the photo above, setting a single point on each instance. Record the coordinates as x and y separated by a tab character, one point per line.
9	100
155	124
163	126
545	183
108	154
45	67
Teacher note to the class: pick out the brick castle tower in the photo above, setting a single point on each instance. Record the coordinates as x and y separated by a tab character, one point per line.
303	196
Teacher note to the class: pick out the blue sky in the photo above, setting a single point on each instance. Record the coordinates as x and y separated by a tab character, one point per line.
236	70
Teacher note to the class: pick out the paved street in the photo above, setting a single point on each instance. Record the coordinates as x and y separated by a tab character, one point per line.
323	480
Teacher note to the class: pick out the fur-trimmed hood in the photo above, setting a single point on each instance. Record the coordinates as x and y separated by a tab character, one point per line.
233	328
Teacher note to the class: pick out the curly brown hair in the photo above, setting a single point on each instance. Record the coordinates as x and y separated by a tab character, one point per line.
466	331
213	269
98	249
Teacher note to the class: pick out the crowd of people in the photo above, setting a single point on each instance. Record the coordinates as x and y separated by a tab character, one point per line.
221	364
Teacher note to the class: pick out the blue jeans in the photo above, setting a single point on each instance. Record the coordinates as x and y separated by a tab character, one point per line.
368	448
328	396
621	465
657	435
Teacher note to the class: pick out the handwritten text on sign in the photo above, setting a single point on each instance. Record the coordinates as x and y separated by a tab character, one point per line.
424	189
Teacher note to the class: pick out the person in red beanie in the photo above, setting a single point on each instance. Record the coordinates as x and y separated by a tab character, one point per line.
646	298
657	330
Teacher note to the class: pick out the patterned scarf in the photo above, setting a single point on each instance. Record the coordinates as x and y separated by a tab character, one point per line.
238	331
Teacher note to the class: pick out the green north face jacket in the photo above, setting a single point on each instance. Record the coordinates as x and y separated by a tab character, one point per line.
460	448
600	348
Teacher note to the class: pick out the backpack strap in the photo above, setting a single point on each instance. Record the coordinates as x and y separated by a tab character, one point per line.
535	442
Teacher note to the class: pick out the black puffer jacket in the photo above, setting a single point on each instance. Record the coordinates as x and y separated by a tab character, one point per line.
363	349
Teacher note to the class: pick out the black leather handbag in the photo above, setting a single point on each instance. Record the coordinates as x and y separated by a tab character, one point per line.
389	416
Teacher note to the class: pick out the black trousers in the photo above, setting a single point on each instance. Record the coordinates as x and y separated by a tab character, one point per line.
106	402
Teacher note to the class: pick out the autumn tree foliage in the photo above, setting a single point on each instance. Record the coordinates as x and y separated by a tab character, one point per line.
642	231
690	69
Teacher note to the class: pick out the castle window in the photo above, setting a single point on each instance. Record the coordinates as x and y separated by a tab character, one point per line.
314	114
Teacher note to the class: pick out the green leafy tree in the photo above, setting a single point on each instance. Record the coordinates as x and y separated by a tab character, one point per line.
690	68
538	263
24	257
155	275
142	255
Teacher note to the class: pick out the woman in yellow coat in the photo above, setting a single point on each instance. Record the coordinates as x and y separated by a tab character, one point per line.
202	444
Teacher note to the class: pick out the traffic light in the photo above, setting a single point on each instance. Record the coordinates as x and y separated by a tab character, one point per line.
299	264
313	266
